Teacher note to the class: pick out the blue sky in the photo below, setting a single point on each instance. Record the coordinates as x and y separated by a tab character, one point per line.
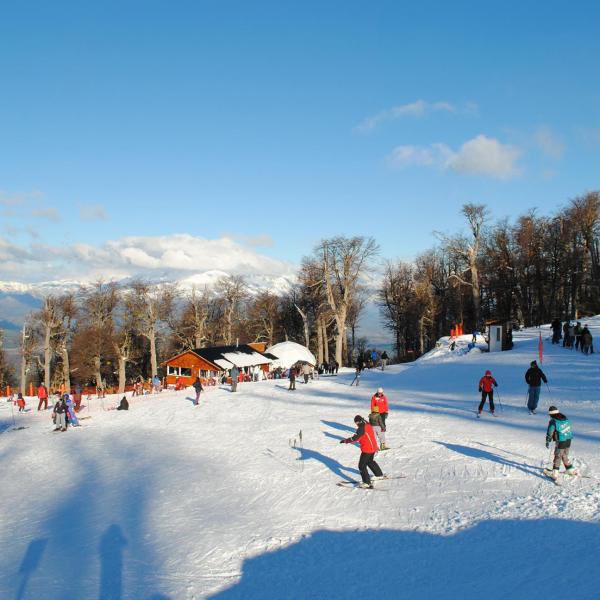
278	123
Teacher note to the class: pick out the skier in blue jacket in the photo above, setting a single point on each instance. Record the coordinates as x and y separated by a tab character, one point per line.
560	431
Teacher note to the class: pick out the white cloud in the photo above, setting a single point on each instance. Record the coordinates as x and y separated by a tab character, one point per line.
174	257
7	199
93	212
479	156
486	156
415	109
548	143
50	214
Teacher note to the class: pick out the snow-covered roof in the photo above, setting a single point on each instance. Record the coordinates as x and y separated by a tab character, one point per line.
245	359
224	364
289	353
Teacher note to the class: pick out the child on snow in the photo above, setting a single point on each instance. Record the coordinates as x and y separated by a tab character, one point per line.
559	430
486	387
59	415
376	422
21	402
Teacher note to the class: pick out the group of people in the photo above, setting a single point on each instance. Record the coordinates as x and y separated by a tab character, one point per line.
370	435
573	335
329	368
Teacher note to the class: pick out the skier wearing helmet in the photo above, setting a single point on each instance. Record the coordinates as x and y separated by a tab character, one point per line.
560	431
365	436
486	386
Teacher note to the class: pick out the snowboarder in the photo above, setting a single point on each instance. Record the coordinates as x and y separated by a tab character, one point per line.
292	377
235	374
376	422
384	359
379	400
486	387
534	377
365	436
560	431
198	387
59	415
42	393
21	402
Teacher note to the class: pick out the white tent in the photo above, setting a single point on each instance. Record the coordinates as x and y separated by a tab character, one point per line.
289	353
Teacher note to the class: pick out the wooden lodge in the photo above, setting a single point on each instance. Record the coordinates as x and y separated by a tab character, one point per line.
210	364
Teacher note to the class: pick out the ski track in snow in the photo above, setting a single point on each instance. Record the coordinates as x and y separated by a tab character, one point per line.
224	500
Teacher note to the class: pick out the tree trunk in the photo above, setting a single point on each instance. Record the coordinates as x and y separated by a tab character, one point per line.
23	375
122	364
340	321
421	336
97	373
325	343
47	356
153	362
64	354
319	342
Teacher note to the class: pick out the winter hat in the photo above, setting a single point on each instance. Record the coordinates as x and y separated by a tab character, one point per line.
533	363
553	410
380	390
488	372
376	409
358	419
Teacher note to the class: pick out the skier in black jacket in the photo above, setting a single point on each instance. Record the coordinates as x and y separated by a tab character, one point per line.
534	377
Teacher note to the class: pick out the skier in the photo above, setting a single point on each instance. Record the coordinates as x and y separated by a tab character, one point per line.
59	415
486	386
198	387
292	379
587	341
71	416
376	422
365	436
534	377
42	393
356	376
21	402
235	374
379	400
559	430
384	359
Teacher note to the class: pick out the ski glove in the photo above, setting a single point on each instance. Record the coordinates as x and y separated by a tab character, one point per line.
547	444
344	441
480	389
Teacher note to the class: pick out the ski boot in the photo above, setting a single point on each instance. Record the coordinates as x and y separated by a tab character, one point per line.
378	477
365	486
552	473
571	470
384	447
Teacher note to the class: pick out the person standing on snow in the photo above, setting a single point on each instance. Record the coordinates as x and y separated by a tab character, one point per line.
59	415
306	372
376	422
42	393
560	431
365	436
486	386
292	377
197	385
21	402
235	374
379	400
384	359
534	377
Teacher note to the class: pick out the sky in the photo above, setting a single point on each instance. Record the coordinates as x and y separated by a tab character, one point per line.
168	136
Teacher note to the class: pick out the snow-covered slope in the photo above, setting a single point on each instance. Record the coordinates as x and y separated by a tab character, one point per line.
227	500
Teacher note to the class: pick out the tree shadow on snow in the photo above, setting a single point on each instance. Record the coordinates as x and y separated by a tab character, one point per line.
31	561
485	455
333	465
493	560
111	563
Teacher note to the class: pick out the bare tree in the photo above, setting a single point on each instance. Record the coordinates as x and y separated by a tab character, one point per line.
49	320
263	315
232	289
150	306
342	261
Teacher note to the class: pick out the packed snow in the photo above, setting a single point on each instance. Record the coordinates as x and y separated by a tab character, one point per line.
228	500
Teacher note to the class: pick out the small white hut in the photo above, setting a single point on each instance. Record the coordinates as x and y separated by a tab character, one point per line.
289	353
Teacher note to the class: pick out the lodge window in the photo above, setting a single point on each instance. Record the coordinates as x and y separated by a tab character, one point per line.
185	372
179	371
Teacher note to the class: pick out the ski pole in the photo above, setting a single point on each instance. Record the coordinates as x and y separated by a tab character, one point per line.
549	393
12	410
500	401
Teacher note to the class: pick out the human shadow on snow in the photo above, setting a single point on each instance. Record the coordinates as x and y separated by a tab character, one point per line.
486	455
30	562
495	560
333	465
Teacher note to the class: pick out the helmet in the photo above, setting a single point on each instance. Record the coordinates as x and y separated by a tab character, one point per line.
553	410
488	372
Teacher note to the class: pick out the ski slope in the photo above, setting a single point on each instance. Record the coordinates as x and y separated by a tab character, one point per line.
174	501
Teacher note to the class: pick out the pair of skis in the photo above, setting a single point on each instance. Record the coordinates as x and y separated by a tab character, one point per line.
353	483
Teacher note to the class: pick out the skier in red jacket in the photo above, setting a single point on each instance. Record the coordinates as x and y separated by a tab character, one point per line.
486	386
379	400
365	436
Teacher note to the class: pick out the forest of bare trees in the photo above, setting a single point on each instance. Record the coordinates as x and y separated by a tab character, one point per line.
528	271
